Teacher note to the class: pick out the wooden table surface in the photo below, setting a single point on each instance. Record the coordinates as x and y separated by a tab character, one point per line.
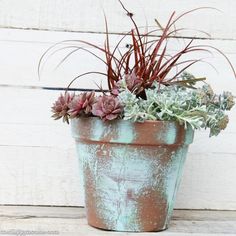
28	220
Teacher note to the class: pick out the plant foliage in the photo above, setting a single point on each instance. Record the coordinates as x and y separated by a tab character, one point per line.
146	82
198	108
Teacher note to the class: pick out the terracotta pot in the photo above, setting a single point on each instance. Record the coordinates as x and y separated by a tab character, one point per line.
131	171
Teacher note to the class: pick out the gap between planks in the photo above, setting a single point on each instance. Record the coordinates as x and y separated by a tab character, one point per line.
112	33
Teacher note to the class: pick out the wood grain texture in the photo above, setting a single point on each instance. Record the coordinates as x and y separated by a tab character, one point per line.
71	221
21	51
39	176
38	162
87	15
49	176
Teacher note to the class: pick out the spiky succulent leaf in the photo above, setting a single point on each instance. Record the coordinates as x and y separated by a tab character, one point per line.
61	107
82	104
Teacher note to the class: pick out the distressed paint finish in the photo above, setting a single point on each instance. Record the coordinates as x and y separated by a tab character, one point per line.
131	171
44	148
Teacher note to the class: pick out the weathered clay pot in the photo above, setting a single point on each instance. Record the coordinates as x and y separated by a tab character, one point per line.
131	171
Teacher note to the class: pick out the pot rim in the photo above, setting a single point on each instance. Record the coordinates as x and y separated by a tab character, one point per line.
93	129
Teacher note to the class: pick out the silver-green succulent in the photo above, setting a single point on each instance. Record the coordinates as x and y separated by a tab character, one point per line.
198	108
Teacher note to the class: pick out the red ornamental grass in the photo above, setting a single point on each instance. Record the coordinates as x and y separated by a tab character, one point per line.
107	108
147	59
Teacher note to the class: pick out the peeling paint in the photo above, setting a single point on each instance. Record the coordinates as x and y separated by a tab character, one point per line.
168	134
125	133
131	186
99	131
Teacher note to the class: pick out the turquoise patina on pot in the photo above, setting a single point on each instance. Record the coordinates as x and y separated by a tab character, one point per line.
131	171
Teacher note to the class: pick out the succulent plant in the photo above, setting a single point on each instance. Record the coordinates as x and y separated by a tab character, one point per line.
190	107
147	81
82	104
133	83
61	107
227	100
107	108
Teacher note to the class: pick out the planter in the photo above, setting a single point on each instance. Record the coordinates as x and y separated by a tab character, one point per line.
131	171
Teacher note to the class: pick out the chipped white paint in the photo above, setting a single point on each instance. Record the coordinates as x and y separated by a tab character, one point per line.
38	163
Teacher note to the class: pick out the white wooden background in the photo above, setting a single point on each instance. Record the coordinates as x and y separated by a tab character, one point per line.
38	165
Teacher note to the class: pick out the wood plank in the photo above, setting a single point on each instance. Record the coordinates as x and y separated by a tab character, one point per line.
208	182
87	15
39	176
50	176
48	212
59	135
79	212
24	57
71	221
22	50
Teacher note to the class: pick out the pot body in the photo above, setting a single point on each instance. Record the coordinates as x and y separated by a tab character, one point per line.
131	171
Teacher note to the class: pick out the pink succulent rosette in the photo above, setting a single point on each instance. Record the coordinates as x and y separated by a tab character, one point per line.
107	108
61	107
82	104
133	82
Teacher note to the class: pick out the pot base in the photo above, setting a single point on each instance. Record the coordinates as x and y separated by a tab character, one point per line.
131	231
